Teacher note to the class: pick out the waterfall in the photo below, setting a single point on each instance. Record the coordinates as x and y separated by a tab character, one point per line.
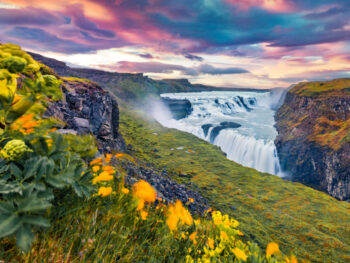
241	123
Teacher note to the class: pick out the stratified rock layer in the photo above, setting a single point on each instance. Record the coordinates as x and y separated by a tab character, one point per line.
313	140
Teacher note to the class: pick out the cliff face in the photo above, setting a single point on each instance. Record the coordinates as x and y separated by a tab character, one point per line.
314	136
87	108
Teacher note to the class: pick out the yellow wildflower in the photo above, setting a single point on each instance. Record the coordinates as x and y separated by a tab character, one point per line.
104	176
144	191
176	213
104	191
183	235
108	157
193	237
95	168
140	204
144	215
294	259
217	217
96	161
211	243
191	200
108	168
125	190
240	233
223	235
239	254
172	218
197	222
118	155
189	259
271	249
183	213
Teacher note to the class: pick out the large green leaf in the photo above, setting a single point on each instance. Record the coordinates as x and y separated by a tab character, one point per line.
24	237
36	220
16	171
6	207
9	223
9	187
31	166
33	204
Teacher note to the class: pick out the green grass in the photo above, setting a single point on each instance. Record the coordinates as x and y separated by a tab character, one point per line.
77	79
323	88
307	222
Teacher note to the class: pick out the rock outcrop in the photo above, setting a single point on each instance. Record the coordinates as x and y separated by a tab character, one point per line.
313	140
179	108
87	108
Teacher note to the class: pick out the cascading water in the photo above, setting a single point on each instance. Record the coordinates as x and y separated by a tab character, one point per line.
240	123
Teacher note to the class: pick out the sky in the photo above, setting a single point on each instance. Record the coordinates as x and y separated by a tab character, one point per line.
227	43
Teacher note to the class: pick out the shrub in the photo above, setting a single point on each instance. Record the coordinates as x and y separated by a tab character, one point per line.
35	162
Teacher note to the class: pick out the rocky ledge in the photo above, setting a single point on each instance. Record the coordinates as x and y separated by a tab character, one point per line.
313	140
168	189
87	108
179	108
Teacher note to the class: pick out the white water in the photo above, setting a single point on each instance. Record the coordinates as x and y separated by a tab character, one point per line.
251	145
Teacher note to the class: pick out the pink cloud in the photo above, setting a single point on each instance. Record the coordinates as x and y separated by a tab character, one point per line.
271	5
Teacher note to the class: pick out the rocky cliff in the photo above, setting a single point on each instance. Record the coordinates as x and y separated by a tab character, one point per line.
87	108
314	136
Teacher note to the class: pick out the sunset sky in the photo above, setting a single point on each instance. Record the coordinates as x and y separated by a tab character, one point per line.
245	43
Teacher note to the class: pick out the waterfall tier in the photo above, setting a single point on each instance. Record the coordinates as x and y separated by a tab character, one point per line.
240	123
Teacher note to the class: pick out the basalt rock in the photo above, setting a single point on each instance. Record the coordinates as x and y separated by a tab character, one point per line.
313	141
169	190
179	108
223	125
87	108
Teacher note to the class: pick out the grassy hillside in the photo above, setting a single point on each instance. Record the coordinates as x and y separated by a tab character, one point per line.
310	223
323	88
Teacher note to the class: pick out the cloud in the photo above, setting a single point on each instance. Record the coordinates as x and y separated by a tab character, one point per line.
157	67
186	27
146	55
193	57
80	20
39	39
208	69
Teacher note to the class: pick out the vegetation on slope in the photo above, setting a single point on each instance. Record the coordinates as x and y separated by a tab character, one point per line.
322	88
322	111
304	221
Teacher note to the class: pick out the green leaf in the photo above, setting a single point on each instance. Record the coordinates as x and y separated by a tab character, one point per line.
9	223
24	237
33	204
47	195
31	166
56	181
11	187
36	220
15	170
6	207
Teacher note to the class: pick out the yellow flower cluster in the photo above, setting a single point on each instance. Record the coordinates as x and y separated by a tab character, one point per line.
103	174
144	193
25	124
178	213
217	240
